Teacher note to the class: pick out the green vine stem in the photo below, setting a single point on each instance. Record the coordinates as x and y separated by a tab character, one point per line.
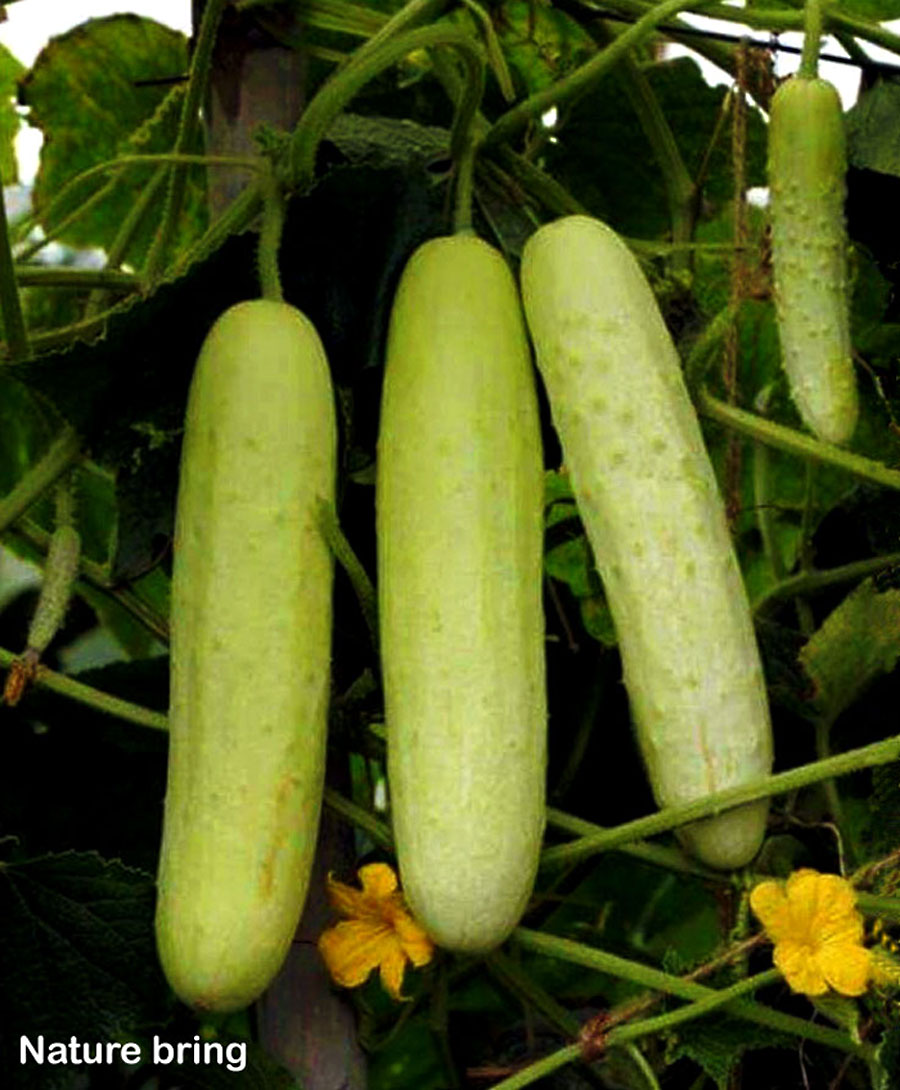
198	78
514	979
270	238
464	173
50	234
546	189
361	818
763	498
702	353
10	303
350	562
657	855
94	698
852	760
237	217
699	1007
583	78
811	581
125	235
540	1069
655	979
67	276
873	905
795	442
812	36
60	456
99	169
413	14
678	184
337	92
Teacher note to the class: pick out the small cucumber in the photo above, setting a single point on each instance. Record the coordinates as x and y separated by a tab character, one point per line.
459	527
250	655
651	508
807	168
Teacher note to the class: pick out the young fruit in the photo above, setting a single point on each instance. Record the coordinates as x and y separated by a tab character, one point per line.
250	653
648	497
807	167
459	522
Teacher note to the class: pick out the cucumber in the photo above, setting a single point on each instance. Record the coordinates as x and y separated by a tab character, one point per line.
807	168
250	655
459	495
652	512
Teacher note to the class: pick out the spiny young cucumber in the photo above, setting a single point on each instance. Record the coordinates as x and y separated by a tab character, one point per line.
807	168
459	526
250	655
648	497
60	573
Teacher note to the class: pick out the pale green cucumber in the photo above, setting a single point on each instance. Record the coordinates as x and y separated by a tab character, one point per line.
459	526
250	655
807	168
652	511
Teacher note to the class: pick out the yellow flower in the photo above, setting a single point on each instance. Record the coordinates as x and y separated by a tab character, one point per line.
379	932
817	932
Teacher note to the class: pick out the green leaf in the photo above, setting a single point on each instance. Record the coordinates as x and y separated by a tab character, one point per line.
572	563
540	44
97	91
841	1010
873	129
887	1061
78	955
11	71
603	158
858	641
717	1045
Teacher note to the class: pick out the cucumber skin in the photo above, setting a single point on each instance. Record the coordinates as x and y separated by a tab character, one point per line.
807	170
459	504
652	512
250	656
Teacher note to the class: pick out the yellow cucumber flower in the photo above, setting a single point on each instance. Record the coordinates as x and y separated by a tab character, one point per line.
817	931
379	932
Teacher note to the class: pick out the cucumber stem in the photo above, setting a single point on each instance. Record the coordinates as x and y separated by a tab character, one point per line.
812	35
270	239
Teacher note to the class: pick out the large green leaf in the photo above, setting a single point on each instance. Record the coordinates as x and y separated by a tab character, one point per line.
873	129
858	641
77	958
99	90
602	156
10	72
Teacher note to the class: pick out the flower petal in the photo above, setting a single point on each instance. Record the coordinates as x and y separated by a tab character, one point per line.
847	968
353	948
838	919
414	940
378	880
800	968
347	900
771	907
392	966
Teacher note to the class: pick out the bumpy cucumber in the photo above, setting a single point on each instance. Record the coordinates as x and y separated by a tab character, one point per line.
648	497
250	654
459	503
807	167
